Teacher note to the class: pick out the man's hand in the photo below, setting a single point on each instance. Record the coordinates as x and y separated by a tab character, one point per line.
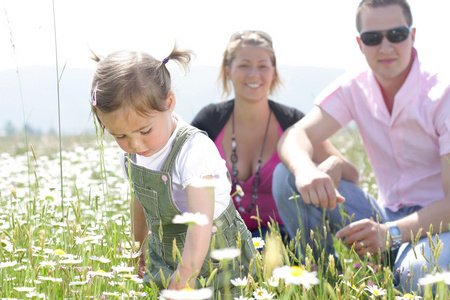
317	187
367	235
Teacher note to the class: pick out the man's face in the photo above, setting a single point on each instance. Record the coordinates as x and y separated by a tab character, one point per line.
389	61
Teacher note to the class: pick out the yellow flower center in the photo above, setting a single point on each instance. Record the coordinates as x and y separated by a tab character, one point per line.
296	271
60	252
408	296
101	271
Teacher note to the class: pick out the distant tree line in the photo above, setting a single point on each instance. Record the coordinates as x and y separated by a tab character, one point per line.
9	130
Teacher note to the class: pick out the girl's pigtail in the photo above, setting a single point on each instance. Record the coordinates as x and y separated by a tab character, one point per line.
94	56
181	57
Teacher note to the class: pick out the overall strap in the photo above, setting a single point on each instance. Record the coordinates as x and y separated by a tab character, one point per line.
183	135
126	157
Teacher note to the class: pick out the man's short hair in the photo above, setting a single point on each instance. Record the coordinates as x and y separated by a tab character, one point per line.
380	3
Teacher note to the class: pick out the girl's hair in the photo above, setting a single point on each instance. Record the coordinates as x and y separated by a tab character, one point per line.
239	40
381	3
135	80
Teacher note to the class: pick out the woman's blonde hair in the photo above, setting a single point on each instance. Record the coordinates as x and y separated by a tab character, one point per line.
239	40
133	79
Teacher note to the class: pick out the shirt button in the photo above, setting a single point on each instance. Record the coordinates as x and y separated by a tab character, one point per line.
214	228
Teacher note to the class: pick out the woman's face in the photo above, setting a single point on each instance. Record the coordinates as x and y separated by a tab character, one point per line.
251	73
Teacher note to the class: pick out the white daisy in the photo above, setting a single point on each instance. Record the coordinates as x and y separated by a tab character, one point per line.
438	277
191	219
111	294
8	264
52	279
100	273
35	295
89	238
100	259
296	275
239	190
205	293
375	290
258	242
47	264
76	283
137	294
25	289
263	294
70	261
239	282
273	281
122	269
226	253
408	296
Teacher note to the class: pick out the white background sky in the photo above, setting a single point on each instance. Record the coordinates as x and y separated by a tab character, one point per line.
305	32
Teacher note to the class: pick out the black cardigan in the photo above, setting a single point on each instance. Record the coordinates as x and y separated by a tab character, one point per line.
213	117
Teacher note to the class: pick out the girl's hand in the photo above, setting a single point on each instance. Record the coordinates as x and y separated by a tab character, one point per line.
141	270
184	274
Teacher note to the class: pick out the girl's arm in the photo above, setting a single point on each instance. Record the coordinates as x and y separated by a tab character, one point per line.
198	238
139	229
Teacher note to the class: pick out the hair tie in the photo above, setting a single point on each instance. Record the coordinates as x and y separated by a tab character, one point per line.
165	60
94	101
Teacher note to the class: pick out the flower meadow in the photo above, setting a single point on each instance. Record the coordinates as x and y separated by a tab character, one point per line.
65	234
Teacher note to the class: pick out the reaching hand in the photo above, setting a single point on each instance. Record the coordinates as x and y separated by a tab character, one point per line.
367	235
141	270
317	185
184	275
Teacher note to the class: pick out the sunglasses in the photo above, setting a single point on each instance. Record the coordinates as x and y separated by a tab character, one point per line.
240	35
394	35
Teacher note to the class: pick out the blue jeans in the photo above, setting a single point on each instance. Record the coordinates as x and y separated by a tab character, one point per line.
358	205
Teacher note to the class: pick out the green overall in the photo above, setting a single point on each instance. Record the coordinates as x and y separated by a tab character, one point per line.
153	189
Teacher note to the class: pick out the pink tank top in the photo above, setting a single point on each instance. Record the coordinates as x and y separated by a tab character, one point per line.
265	203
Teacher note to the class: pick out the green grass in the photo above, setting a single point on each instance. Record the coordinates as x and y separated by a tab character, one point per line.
53	252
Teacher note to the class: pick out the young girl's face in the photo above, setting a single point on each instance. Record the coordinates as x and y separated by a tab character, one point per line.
143	135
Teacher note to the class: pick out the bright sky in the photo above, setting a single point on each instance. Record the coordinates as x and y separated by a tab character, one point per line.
314	33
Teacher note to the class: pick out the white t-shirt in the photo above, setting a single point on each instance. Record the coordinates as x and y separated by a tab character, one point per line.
199	157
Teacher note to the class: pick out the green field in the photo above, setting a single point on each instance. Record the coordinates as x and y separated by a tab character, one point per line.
75	244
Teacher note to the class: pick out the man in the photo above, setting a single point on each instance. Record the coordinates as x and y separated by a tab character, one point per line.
403	115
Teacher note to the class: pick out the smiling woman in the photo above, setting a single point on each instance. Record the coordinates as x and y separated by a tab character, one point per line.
246	129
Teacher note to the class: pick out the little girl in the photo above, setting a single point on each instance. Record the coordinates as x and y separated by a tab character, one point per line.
132	99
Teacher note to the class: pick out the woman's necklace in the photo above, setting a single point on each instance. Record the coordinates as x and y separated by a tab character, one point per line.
235	172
